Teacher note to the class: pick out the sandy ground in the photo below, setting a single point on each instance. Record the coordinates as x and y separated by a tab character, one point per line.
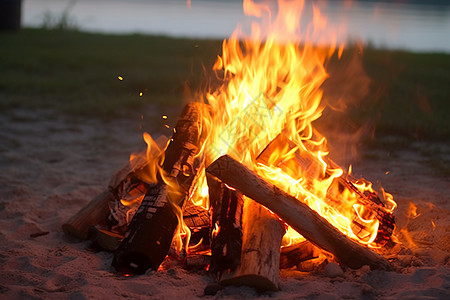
51	166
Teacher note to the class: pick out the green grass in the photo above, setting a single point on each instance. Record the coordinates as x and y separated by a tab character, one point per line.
76	73
410	92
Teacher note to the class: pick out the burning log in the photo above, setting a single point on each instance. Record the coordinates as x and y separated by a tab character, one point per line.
226	234
196	217
260	260
149	235
297	214
294	254
97	211
306	164
92	214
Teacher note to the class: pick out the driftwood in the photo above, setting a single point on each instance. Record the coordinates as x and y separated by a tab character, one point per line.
149	235
226	230
306	164
260	258
297	214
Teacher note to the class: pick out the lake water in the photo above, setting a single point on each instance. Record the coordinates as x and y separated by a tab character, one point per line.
416	27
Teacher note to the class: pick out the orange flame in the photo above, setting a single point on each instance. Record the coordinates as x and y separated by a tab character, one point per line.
272	84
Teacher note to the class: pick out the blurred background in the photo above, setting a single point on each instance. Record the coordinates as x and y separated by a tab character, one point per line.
67	56
407	24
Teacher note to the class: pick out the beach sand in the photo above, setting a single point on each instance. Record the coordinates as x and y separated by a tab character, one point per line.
52	165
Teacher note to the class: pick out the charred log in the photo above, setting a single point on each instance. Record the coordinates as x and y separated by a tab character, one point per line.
149	235
226	229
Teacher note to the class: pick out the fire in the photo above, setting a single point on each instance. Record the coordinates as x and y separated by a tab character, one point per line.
271	87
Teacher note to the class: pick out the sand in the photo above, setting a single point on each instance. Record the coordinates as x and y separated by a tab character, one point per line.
52	165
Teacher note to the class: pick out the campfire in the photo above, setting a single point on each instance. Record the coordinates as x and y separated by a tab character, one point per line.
245	182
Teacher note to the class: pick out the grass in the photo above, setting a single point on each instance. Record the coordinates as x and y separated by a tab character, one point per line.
410	92
77	73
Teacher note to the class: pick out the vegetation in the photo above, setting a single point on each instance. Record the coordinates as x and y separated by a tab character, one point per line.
77	73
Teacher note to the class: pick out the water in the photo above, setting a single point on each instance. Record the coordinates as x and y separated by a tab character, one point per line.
403	25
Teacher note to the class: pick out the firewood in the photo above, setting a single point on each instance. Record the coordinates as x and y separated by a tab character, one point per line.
297	214
295	254
196	217
226	229
129	184
105	239
311	167
260	258
97	210
92	214
149	235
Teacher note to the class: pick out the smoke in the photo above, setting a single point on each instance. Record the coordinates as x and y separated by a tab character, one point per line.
344	91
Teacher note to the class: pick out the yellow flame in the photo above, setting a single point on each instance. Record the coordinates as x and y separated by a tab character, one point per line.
271	84
272	81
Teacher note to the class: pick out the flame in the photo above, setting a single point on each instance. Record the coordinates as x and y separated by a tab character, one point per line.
412	211
272	81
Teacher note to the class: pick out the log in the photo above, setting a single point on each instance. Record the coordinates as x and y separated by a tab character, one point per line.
149	235
306	164
129	184
295	254
260	258
297	214
128	196
92	214
196	217
226	230
105	239
97	211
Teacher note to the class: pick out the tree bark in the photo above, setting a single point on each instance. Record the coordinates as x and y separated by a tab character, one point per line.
297	214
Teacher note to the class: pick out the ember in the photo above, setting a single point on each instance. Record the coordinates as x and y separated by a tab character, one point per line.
253	140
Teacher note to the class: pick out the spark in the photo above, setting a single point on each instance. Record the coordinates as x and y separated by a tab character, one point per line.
120	78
